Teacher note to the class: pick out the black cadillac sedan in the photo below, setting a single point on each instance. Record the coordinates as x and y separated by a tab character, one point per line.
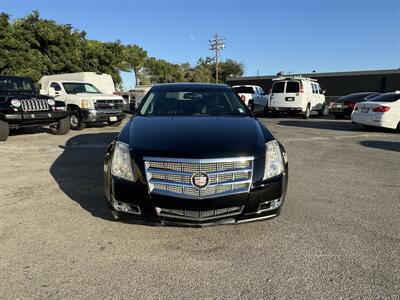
194	154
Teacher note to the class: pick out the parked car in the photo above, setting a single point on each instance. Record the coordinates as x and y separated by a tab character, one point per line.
253	96
344	106
381	111
86	103
297	94
22	106
194	154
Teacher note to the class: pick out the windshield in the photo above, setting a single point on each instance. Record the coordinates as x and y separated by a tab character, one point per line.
192	101
244	89
16	84
80	87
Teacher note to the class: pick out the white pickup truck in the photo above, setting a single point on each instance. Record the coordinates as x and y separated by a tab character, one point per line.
253	96
86	103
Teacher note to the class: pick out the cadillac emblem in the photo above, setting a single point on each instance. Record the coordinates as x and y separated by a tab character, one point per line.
199	180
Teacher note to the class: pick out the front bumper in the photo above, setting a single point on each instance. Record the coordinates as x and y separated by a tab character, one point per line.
263	201
32	118
91	115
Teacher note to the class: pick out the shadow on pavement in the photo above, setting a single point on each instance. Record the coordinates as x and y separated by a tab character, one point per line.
79	171
322	124
390	146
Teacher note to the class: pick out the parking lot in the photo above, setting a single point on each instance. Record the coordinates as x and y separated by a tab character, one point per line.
337	236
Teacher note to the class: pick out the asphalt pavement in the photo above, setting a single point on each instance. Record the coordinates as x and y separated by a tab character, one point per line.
338	235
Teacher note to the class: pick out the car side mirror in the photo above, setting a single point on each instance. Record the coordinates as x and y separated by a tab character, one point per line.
129	108
52	92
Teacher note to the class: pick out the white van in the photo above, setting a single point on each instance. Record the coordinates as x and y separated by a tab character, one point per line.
297	94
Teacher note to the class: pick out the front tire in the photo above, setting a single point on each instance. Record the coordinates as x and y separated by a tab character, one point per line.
76	121
307	112
321	112
4	130
62	127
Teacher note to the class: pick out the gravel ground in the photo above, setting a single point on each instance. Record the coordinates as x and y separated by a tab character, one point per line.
338	235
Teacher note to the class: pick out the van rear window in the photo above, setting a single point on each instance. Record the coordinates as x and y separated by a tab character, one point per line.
278	87
244	90
292	87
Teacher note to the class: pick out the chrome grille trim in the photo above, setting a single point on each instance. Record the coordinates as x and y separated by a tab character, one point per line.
34	105
199	215
108	104
172	176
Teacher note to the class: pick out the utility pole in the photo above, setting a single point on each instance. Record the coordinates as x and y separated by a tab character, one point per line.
216	44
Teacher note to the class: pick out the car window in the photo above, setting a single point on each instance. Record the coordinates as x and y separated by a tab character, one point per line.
80	87
319	88
278	87
386	98
192	101
55	86
314	88
292	87
261	91
244	89
16	84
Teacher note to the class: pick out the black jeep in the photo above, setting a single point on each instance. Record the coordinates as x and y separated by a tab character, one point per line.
22	106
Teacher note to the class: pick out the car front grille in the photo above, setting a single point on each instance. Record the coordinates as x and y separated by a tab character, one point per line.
34	105
202	215
173	177
109	104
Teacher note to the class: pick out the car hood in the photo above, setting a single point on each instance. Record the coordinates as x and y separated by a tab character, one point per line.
98	96
7	97
197	136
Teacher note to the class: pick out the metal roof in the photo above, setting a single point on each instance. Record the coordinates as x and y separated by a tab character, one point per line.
327	74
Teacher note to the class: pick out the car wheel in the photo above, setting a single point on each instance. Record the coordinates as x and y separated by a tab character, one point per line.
321	112
4	130
398	128
367	127
75	121
62	127
114	124
307	112
251	106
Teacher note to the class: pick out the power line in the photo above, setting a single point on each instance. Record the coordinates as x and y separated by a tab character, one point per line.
216	44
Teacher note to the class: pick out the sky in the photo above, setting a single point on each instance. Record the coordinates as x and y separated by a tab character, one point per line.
267	36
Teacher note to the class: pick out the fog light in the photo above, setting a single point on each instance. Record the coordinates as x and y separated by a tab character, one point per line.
269	205
125	207
275	203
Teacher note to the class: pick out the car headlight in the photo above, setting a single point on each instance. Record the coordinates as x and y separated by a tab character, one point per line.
87	103
121	164
274	164
51	102
16	103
